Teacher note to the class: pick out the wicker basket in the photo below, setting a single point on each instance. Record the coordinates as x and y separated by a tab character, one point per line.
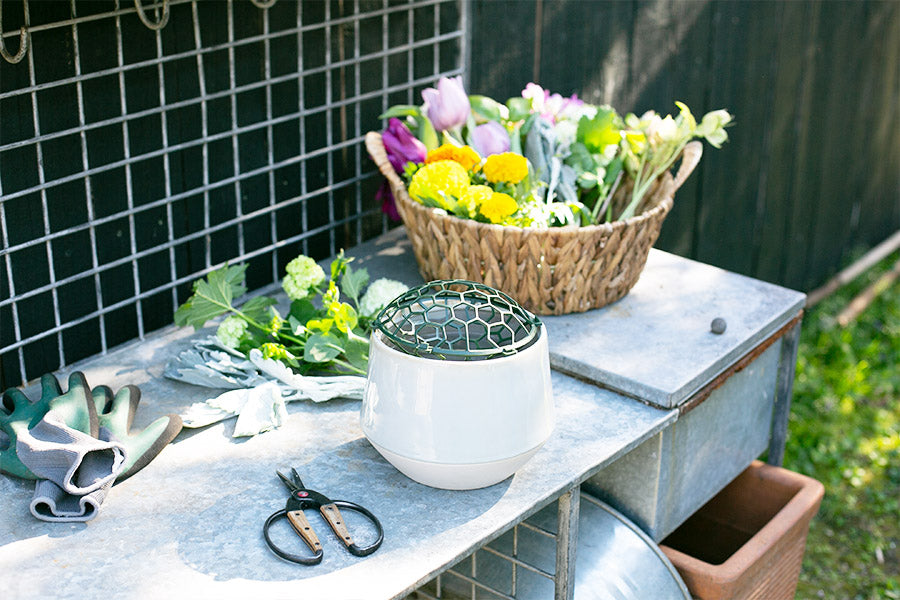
548	271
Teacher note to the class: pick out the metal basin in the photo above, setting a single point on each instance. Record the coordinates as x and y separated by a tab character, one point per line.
615	560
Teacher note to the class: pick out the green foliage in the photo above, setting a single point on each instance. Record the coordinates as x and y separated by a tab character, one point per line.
845	432
212	296
327	334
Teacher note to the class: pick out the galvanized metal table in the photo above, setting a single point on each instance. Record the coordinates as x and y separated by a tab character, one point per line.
189	525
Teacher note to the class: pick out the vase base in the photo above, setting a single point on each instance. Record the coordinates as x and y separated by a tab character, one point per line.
446	476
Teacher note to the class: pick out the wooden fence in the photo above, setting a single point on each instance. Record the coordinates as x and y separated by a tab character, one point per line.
812	170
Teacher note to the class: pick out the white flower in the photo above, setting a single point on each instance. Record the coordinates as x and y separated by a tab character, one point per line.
380	293
565	133
712	127
303	273
231	330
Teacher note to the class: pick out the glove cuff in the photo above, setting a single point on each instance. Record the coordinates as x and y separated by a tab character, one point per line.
75	461
51	503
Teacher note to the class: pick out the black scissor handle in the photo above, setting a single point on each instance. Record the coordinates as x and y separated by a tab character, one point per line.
353	548
312	541
315	559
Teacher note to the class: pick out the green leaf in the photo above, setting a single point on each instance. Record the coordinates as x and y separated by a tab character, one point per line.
345	317
212	296
321	348
303	310
297	326
400	111
486	108
599	132
426	133
353	282
519	108
258	308
357	353
612	170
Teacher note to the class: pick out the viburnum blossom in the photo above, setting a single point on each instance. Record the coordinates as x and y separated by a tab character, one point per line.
231	330
380	292
303	274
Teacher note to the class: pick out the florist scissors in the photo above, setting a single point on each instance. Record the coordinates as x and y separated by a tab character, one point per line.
303	498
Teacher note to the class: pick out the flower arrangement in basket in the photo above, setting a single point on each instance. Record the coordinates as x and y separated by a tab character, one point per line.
552	200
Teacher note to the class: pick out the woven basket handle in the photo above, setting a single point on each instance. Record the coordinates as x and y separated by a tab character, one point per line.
690	158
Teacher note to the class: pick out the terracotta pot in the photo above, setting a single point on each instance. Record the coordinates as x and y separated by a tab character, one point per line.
749	540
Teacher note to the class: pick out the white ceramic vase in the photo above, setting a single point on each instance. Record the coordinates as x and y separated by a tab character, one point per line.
457	424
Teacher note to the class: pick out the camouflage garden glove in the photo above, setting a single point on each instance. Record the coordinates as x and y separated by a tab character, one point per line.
55	438
116	414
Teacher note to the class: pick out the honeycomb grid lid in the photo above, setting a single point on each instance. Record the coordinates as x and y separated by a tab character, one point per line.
457	320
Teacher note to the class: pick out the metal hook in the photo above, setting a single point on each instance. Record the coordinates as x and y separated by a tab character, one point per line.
263	3
150	24
23	39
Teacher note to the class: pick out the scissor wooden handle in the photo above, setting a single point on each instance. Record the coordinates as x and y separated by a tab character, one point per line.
301	525
336	520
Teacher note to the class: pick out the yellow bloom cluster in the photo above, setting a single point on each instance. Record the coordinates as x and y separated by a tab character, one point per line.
507	167
473	197
464	155
498	207
437	180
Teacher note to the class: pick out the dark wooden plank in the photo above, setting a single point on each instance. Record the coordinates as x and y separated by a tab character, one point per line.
782	139
584	49
879	217
743	41
502	50
688	74
841	26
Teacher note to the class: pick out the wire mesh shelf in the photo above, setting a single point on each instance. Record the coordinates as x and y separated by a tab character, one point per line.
146	143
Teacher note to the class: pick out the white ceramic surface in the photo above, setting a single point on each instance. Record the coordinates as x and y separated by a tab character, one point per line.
465	414
448	476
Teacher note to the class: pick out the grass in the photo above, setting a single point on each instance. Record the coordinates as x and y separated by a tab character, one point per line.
845	432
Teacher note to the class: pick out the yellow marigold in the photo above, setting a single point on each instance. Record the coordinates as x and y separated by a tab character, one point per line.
473	197
498	207
433	183
508	167
464	155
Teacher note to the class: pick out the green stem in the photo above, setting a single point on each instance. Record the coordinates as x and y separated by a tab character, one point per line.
347	366
640	188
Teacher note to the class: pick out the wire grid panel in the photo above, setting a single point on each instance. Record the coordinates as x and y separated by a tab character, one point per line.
136	158
519	565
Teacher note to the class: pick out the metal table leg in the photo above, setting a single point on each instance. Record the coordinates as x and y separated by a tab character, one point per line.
566	542
783	390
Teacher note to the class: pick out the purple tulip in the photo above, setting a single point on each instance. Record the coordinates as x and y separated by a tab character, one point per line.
388	204
448	105
402	146
490	138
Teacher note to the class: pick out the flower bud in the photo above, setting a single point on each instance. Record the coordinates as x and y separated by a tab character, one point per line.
401	145
490	138
448	105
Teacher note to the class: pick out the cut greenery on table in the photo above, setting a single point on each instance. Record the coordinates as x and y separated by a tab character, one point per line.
321	333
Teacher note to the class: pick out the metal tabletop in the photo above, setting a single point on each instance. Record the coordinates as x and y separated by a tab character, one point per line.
189	525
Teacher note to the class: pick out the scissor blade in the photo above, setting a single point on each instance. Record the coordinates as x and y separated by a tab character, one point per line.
295	477
287	482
